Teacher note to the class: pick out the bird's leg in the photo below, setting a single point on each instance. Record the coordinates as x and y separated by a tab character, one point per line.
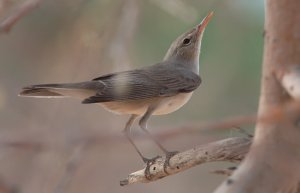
127	134
143	125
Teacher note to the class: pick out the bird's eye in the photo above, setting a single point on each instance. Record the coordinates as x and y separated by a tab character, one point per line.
186	41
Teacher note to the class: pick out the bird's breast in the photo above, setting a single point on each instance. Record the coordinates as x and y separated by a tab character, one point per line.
165	105
171	104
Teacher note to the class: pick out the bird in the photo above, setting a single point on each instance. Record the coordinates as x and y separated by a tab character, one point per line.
158	89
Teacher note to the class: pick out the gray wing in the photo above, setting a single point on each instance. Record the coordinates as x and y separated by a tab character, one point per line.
145	83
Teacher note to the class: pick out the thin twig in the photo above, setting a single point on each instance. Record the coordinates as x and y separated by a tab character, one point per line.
7	24
243	131
183	130
226	172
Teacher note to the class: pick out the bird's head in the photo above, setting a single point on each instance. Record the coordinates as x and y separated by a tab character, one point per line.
186	48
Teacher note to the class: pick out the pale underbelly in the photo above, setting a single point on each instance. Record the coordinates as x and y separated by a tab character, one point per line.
165	105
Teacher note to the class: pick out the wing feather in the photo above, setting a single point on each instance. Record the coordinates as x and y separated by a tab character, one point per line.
145	83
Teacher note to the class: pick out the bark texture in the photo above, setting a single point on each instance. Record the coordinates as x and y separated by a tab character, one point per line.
272	164
231	150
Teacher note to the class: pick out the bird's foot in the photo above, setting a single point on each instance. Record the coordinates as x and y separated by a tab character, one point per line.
169	155
150	161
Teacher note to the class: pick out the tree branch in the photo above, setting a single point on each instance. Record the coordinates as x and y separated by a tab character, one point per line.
226	172
7	24
232	150
274	154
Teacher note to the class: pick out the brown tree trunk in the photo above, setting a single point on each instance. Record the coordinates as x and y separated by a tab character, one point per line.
273	163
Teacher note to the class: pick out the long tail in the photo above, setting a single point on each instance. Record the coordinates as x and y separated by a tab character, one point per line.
77	90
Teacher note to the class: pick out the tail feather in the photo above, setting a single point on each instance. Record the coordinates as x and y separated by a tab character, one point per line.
78	90
39	92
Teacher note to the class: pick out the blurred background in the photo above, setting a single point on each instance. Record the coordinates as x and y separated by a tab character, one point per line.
60	145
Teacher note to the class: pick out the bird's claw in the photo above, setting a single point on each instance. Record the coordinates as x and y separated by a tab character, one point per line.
169	155
150	161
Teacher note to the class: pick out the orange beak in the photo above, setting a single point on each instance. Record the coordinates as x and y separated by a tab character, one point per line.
204	23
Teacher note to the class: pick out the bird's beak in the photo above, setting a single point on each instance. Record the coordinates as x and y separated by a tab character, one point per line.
204	23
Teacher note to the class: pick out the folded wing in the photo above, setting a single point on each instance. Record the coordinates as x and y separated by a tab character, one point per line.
145	83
